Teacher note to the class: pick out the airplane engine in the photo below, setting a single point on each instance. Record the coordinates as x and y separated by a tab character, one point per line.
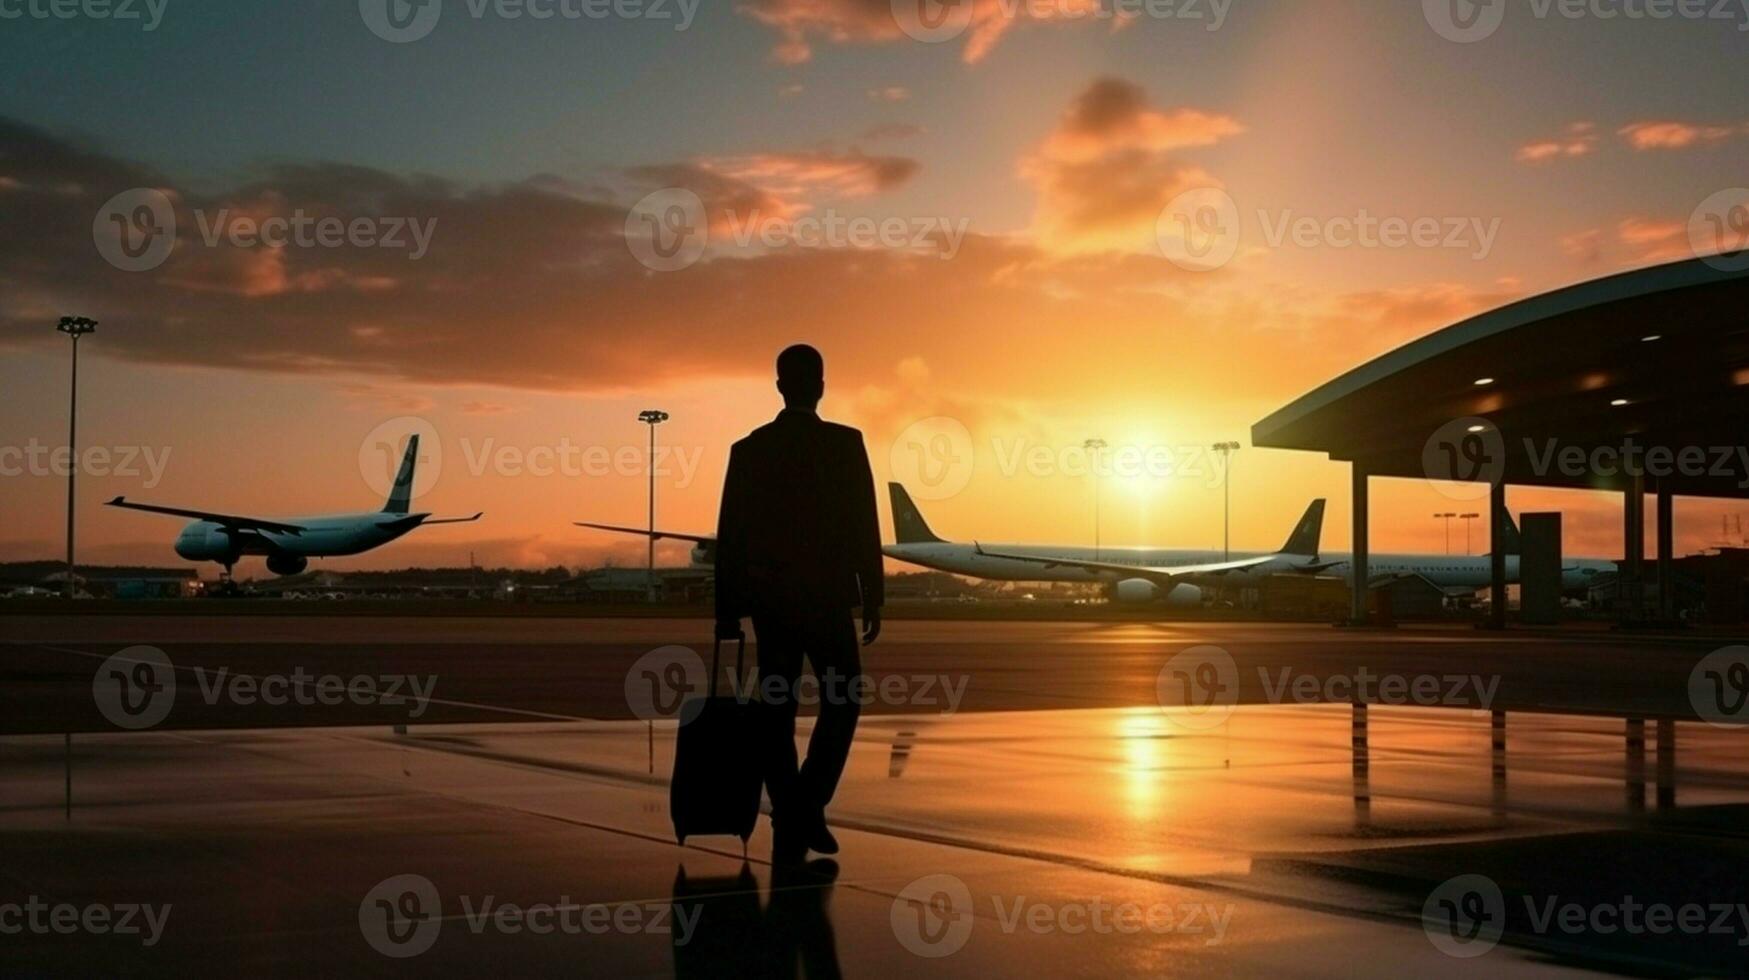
287	564
206	542
1185	597
1134	590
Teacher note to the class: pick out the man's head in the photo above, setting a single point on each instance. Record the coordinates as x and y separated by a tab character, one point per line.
801	376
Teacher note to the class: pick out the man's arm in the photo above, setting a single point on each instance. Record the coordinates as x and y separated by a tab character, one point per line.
866	540
731	558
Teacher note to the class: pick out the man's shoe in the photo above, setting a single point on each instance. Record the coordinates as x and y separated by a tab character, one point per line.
820	838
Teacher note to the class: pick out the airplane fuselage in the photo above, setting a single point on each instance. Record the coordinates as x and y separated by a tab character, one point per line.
328	536
1446	571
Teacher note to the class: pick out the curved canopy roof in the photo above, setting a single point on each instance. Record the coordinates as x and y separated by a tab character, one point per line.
1653	357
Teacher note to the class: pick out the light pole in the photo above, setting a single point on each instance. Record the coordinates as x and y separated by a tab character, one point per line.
1094	446
652	418
1447	518
1467	518
74	327
1226	449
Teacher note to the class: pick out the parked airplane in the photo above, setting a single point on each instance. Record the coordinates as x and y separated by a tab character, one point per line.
290	544
1178	576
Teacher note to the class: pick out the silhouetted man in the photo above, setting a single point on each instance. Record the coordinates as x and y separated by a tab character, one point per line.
798	548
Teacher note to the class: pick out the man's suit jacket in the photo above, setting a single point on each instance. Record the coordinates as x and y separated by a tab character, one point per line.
798	530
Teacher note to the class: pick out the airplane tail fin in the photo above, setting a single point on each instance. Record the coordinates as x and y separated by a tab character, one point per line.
1304	540
908	524
1510	542
401	494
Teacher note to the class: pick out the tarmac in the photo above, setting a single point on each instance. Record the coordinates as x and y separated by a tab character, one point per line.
1239	837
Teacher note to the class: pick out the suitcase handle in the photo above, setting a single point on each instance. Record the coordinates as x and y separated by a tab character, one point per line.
716	657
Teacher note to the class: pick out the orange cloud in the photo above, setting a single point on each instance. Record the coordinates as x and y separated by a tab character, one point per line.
1579	140
1670	135
1106	172
802	22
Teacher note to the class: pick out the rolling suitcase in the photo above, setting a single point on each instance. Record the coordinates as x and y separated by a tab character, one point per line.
717	776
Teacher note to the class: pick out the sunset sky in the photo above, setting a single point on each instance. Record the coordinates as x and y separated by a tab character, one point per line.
1051	139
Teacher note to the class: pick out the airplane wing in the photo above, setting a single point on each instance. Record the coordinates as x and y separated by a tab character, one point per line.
230	521
422	520
646	533
1160	574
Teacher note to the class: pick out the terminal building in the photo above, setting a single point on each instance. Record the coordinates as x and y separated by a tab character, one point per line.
1636	383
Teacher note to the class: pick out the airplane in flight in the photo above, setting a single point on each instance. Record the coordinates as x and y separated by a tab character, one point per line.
289	544
1176	577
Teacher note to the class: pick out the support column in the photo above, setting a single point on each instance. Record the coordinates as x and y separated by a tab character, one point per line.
1666	764
1357	612
1666	555
1636	765
1633	553
1497	518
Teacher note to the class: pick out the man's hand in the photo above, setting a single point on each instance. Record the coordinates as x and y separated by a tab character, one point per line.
871	625
729	629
